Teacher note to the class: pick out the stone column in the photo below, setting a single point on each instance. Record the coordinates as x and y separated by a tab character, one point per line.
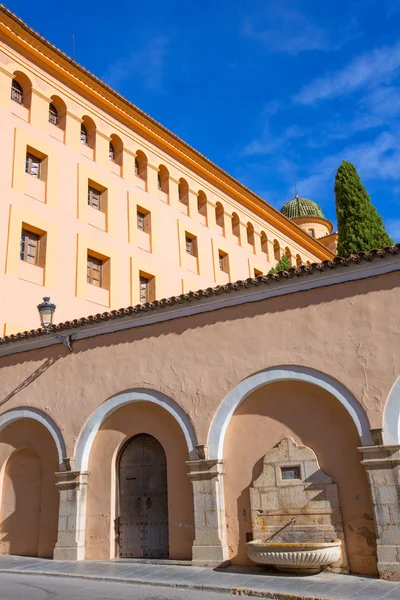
382	464
209	547
72	516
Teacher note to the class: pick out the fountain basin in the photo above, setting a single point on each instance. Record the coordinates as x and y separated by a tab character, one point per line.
295	557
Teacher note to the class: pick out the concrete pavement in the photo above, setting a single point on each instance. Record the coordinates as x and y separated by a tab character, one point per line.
251	581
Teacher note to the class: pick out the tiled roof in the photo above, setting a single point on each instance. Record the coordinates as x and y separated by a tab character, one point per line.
301	207
273	278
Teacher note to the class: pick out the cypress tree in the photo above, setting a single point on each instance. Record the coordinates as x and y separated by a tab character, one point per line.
283	265
360	226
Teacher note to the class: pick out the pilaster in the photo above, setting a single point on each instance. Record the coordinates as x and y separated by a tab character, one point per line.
152	180
382	464
209	547
72	486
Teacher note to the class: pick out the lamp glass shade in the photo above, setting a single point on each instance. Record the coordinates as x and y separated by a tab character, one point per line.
46	311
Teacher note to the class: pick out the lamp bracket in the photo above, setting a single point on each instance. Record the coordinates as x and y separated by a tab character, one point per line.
64	339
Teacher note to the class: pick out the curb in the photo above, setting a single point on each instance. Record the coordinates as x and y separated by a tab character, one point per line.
239	591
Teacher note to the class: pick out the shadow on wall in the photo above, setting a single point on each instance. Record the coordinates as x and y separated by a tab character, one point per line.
31	378
21	504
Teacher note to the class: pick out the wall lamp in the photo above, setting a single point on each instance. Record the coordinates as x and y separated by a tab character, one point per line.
46	311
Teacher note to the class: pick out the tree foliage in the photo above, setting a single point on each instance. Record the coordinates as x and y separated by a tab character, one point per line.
283	265
360	227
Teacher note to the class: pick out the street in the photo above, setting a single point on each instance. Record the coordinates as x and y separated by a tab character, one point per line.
35	587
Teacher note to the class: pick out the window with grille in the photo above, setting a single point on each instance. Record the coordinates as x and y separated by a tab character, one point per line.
191	245
111	152
291	472
137	168
94	271
32	165
94	198
144	290
17	93
223	262
29	247
53	114
141	220
159	181
84	135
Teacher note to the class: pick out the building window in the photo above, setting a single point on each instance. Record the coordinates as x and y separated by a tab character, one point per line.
111	152
143	220
29	247
84	135
94	271
136	167
94	198
311	232
32	165
17	93
183	192
223	262
219	215
147	288
191	245
53	115
140	220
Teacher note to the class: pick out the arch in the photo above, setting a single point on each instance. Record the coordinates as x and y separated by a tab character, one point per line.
250	233
219	215
116	149
183	191
141	165
236	226
57	112
236	396
298	260
391	416
288	255
277	251
163	179
21	89
88	132
44	419
202	204
264	244
102	412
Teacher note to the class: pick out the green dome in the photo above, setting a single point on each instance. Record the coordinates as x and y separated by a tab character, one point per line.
301	207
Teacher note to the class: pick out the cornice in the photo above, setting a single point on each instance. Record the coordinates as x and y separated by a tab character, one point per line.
53	60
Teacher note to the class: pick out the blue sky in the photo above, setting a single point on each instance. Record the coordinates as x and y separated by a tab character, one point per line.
250	82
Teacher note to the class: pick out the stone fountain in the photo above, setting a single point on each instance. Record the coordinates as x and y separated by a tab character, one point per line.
296	517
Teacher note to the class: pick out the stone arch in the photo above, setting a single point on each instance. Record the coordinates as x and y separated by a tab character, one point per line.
236	396
37	415
102	412
391	416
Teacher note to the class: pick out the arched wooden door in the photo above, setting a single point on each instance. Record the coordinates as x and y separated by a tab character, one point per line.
143	499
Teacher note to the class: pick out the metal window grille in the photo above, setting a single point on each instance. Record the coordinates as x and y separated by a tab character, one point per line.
32	165
17	93
141	221
94	198
144	290
29	251
189	245
94	271
221	262
53	114
159	181
84	135
111	152
137	169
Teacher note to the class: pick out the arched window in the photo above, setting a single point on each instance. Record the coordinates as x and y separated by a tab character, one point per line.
116	150
277	251
53	115
183	192
163	179
84	135
202	205
141	169
17	93
288	255
111	152
88	132
219	215
236	226
264	244
308	264
250	234
298	260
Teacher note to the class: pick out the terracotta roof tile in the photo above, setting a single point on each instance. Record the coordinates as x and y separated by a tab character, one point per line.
274	278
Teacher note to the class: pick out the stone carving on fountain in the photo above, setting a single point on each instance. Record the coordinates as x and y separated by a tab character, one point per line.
296	517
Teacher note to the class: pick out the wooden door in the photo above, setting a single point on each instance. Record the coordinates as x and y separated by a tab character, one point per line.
143	501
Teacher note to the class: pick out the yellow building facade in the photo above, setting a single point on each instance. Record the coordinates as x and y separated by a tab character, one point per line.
102	207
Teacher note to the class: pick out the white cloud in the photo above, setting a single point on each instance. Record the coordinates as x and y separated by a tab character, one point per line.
268	143
381	64
146	64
